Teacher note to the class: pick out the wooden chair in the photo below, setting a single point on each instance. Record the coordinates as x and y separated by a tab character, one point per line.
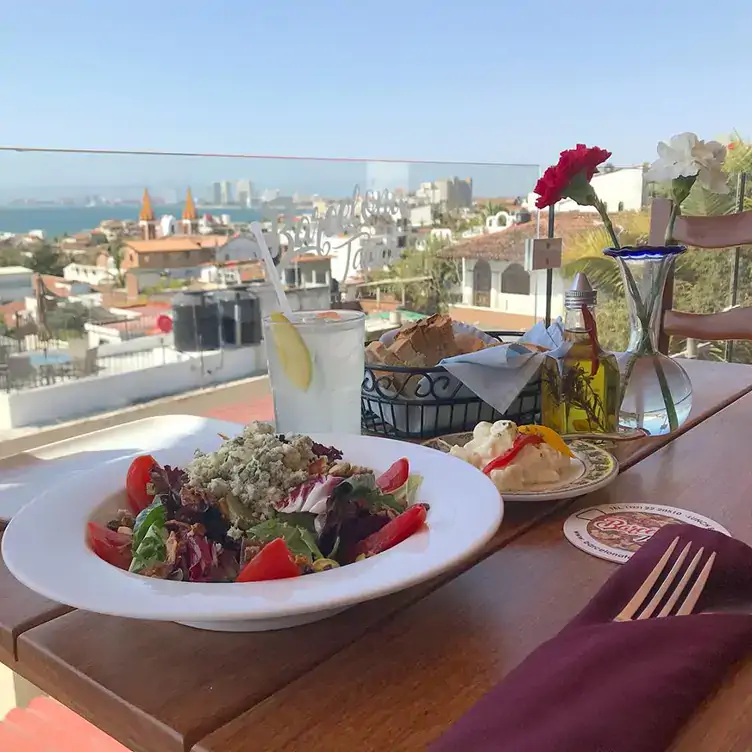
722	232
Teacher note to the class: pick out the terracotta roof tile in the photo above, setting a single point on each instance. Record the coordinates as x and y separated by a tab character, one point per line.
176	243
509	244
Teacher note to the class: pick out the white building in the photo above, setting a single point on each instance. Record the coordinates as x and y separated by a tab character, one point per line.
16	283
622	189
91	273
421	216
244	192
452	193
497	292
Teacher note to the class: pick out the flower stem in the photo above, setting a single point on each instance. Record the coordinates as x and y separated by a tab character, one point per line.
675	211
668	401
601	209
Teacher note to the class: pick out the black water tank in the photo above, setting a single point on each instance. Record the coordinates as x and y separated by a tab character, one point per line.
195	321
240	314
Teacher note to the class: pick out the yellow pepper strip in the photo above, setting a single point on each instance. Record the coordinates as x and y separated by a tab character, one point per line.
550	437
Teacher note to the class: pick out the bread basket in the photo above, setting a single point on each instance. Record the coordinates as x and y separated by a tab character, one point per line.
421	403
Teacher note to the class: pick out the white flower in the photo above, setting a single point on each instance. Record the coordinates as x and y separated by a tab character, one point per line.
686	156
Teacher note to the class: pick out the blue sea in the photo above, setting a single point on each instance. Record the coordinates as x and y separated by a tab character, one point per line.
61	220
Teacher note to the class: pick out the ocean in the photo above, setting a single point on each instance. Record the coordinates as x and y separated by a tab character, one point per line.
61	220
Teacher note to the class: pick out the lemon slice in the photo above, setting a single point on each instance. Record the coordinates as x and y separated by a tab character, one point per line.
292	352
549	436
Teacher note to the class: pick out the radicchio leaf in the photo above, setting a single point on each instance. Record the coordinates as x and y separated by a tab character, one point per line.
167	482
331	453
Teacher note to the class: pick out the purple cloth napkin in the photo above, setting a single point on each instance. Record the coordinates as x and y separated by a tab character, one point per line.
604	686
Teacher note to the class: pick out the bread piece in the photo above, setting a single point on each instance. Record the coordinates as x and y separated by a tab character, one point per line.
439	333
408	354
468	343
378	354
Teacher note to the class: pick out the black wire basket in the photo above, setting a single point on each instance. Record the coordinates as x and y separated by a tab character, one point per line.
422	403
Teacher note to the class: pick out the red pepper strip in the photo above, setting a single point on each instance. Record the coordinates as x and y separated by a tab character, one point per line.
520	443
394	532
592	331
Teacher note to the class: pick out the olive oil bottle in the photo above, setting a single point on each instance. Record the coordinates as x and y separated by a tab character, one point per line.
580	380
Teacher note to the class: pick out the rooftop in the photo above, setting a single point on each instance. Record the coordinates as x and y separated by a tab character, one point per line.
9	270
509	244
177	243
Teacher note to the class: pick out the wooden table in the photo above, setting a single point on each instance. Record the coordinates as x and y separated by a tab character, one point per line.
390	674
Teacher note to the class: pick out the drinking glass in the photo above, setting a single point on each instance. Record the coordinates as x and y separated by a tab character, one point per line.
316	364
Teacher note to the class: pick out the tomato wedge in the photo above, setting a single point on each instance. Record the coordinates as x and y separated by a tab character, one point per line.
139	474
273	562
109	545
394	532
395	477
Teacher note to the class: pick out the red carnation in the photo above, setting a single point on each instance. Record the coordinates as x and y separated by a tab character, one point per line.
556	182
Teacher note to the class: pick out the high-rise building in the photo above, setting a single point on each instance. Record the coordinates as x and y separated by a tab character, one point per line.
244	192
225	193
216	193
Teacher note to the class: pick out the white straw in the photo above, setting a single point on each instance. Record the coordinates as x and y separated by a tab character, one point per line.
271	271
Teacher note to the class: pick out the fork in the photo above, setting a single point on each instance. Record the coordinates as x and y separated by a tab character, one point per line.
689	602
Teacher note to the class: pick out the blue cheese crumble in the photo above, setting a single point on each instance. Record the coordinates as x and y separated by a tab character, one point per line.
255	468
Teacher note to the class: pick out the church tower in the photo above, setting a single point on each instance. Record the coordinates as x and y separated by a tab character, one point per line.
146	220
190	217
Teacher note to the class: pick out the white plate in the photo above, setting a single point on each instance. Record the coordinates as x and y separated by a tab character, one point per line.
592	468
24	476
44	547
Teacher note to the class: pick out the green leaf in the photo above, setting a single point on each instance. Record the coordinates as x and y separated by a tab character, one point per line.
363	488
299	540
154	514
414	482
152	549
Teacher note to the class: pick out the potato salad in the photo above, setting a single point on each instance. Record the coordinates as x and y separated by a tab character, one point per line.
516	458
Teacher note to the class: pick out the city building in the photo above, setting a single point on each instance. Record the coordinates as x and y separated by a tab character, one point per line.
449	193
173	252
216	193
225	193
620	189
244	192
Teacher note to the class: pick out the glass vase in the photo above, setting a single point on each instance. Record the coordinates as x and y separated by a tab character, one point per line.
656	393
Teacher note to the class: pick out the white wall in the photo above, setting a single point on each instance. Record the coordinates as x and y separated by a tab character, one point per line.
90	273
421	216
73	399
625	186
533	304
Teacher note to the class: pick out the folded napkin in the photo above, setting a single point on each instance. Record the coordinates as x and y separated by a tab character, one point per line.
498	374
604	686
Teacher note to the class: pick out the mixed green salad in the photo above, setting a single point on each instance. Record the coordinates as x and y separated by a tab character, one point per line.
262	507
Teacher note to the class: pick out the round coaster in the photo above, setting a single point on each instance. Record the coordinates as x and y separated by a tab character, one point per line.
615	531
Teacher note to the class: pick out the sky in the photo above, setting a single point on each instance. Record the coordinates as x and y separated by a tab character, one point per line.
470	81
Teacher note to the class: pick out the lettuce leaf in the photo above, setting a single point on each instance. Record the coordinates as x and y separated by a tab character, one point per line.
151	550
154	514
299	540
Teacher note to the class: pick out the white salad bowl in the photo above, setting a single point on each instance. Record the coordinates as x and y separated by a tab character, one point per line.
45	547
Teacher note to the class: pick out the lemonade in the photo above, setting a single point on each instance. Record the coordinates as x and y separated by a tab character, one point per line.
316	364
